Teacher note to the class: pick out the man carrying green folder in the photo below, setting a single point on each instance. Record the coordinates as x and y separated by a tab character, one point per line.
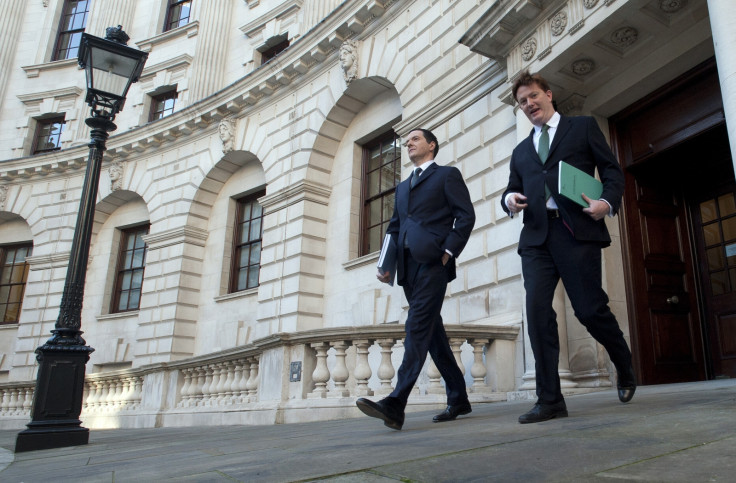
562	237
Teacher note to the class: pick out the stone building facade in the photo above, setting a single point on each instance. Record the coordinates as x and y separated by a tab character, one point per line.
246	148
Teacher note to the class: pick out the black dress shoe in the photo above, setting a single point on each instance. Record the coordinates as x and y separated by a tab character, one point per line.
626	384
543	412
452	412
392	417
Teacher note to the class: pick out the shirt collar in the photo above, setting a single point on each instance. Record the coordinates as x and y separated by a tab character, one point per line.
424	165
552	123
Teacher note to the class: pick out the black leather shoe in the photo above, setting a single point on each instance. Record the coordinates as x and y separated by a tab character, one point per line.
544	412
392	417
626	384
452	412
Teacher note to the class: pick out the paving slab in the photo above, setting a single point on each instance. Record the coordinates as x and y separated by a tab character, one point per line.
676	432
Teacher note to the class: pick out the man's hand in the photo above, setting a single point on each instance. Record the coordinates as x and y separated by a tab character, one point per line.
445	258
384	277
597	209
515	202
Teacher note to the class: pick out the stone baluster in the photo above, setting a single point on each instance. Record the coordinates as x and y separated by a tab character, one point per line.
478	369
386	369
5	401
93	399
13	405
102	399
253	379
201	374
207	387
137	396
321	373
119	399
219	389
435	379
243	383
362	371
28	400
227	387
186	386
234	389
340	373
456	345
128	393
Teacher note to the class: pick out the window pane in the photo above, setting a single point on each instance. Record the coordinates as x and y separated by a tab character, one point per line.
708	211
255	229
373	185
715	258
726	205
712	234
729	229
388	207
134	301
374	216
5	275
139	258
244	256
374	239
17	273
242	279
12	314
253	277
137	280
255	254
245	232
127	277
719	282
123	305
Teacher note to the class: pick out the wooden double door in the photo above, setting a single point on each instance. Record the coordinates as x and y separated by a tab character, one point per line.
678	226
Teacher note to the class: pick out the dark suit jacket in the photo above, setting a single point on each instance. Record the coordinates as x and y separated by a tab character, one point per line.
580	143
435	215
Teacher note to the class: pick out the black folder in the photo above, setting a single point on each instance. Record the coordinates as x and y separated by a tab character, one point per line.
387	259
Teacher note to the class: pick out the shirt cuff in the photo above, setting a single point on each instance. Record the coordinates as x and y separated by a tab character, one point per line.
610	208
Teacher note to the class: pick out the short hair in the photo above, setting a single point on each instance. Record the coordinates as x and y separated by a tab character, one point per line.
527	79
430	138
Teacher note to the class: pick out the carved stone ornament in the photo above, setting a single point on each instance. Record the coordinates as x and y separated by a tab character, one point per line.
528	48
45	3
349	60
558	23
672	6
589	3
624	37
116	171
227	134
583	67
3	196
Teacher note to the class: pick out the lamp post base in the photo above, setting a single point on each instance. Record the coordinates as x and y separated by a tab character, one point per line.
57	401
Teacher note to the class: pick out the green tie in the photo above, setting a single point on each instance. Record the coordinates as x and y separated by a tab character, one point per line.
543	151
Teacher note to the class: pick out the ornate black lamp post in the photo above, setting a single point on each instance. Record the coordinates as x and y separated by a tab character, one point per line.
111	67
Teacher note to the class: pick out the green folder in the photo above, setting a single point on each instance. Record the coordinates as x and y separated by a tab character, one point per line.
573	182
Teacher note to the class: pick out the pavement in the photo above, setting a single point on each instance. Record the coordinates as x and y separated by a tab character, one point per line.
667	433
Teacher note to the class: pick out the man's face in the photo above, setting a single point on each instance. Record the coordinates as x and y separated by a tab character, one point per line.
418	147
536	104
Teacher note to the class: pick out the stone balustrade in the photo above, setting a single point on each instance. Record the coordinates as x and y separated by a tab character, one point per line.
281	378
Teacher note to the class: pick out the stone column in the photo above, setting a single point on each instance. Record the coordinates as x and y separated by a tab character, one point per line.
11	20
290	295
723	26
208	65
110	13
168	317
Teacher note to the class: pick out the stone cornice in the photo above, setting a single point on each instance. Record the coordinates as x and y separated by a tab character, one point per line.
302	191
47	262
314	49
55	93
184	234
178	61
190	30
35	70
486	77
284	8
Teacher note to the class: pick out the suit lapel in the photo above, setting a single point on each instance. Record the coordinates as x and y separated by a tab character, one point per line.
425	174
563	127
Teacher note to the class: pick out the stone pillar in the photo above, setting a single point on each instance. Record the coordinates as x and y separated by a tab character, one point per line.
723	26
167	317
290	296
208	65
11	20
563	367
110	13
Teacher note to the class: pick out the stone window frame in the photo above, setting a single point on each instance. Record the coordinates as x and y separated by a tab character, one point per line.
366	197
171	8
235	266
122	268
164	94
69	11
273	47
13	266
41	124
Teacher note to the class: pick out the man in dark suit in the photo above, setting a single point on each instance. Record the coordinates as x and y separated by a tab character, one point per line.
560	239
432	220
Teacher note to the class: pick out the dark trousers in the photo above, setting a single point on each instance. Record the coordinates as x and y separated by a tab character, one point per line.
424	286
579	266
